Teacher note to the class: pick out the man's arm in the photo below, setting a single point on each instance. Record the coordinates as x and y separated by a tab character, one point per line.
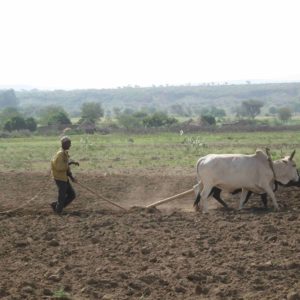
72	162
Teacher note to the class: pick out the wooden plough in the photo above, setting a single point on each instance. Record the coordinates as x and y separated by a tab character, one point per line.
160	202
157	203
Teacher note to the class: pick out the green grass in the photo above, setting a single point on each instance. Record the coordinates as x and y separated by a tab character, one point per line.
110	152
61	294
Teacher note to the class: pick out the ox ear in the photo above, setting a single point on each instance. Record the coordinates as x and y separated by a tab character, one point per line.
292	155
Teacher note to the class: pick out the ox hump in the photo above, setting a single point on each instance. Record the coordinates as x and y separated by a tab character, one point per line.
260	154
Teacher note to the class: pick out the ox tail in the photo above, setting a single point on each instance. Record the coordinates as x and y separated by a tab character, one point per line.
197	191
197	188
197	170
197	201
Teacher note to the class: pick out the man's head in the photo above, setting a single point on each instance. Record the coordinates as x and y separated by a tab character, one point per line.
65	142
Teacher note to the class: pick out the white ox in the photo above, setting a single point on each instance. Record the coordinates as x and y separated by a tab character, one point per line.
230	172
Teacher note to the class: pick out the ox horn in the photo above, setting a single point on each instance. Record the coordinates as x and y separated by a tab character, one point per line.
292	155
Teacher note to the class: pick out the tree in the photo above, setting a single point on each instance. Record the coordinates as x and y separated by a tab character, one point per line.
207	120
31	124
30	110
8	99
284	113
159	119
117	111
217	112
15	123
59	118
8	113
205	111
53	114
178	110
251	108
91	111
19	123
132	120
273	110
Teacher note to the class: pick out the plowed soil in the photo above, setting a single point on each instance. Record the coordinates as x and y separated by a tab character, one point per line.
97	251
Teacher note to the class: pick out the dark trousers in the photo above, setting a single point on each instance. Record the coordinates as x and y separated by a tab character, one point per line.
66	194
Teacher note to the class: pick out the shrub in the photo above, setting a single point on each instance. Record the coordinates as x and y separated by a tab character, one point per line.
207	120
19	123
284	113
91	111
159	119
31	124
15	123
59	118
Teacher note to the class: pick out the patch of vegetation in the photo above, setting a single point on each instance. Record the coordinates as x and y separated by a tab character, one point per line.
120	151
61	294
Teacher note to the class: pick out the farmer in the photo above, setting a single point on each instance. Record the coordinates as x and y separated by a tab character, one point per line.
60	167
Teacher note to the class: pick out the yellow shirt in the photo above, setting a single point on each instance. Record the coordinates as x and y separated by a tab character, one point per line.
60	165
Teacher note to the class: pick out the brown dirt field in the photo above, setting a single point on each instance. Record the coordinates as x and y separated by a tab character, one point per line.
95	251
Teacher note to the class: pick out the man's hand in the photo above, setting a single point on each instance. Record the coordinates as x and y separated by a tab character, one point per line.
74	179
74	163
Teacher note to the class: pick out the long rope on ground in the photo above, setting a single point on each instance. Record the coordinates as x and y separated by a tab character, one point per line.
100	196
28	201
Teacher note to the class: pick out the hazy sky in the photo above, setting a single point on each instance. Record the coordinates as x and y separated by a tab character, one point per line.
110	43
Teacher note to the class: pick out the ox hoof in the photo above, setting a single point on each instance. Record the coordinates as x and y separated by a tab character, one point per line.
196	208
228	209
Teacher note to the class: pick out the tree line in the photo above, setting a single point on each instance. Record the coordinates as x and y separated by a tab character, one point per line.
175	100
14	116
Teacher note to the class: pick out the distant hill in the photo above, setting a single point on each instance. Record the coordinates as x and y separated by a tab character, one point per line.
191	98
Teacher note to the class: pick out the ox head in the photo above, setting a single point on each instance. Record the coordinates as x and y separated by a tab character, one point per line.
286	169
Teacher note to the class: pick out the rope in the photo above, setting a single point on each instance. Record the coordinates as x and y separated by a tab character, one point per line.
26	202
271	163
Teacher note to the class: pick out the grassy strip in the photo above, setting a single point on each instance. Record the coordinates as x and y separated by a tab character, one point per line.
102	152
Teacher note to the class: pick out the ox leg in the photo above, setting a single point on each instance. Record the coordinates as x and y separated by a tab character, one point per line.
204	195
272	195
216	193
264	199
249	193
243	198
198	197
